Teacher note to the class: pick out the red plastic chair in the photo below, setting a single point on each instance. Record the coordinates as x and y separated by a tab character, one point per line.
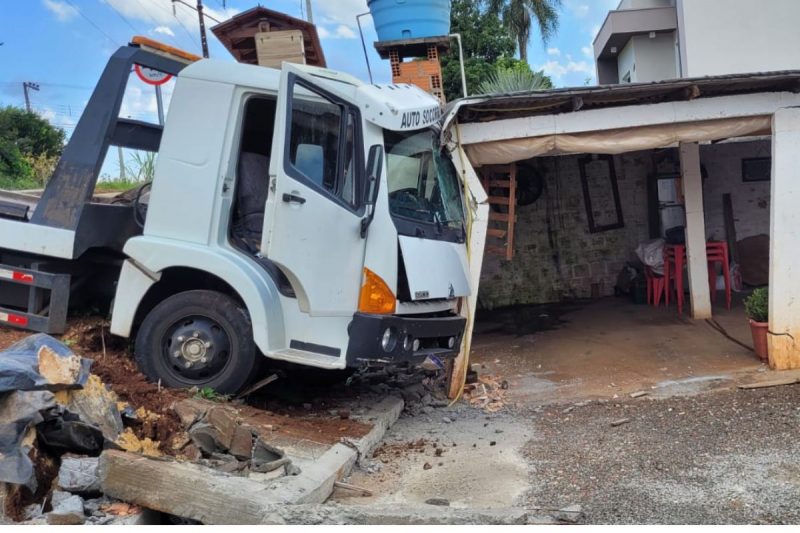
655	287
675	259
717	253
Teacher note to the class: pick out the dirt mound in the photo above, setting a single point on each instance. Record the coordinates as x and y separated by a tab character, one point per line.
115	366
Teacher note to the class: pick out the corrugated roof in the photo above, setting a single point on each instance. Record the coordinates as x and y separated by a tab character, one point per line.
237	34
556	101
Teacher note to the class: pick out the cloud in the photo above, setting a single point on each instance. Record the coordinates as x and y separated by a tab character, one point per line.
345	32
553	52
340	12
161	13
63	11
588	51
341	32
164	30
557	69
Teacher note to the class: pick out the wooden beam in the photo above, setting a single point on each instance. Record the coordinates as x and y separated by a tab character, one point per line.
692	181
478	212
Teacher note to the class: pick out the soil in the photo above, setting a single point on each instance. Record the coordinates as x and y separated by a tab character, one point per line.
319	427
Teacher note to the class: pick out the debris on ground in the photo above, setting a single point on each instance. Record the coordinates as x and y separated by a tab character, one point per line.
487	393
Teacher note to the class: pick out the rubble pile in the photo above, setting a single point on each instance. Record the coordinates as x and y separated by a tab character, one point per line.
55	420
487	392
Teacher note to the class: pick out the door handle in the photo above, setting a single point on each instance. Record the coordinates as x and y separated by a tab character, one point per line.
293	198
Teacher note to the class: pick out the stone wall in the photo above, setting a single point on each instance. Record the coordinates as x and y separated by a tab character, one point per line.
723	163
556	257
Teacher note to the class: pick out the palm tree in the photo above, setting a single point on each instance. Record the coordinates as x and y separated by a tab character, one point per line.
518	16
508	81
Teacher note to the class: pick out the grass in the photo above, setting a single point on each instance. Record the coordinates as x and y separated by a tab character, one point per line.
116	185
10	183
207	393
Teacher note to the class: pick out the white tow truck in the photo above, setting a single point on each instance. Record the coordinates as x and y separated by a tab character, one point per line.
297	214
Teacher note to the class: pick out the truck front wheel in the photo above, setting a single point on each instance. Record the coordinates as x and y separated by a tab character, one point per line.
198	339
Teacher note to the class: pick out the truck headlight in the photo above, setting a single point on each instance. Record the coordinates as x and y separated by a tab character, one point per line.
389	340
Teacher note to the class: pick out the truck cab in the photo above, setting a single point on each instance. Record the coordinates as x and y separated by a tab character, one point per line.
297	214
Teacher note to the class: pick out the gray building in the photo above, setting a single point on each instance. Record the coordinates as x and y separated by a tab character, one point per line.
653	40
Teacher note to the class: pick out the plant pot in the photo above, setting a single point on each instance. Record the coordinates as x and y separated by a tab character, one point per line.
760	344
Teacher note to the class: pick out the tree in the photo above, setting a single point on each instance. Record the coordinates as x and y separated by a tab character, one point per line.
514	79
484	39
32	134
518	16
28	144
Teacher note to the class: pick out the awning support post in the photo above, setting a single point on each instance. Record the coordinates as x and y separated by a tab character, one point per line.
784	251
700	296
477	204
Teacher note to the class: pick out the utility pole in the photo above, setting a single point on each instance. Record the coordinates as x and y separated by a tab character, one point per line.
32	86
308	11
203	40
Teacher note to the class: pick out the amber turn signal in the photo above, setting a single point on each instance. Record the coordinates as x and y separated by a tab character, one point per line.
376	297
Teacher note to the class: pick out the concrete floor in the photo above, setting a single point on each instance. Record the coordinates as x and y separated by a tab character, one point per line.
609	347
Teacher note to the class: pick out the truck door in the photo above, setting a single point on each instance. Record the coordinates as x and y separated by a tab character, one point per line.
315	203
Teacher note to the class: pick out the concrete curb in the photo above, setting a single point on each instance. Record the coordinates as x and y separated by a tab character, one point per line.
212	497
315	483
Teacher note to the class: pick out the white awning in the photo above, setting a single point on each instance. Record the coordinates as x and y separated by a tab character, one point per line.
616	141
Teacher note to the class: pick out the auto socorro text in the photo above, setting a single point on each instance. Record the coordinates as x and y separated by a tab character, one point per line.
418	119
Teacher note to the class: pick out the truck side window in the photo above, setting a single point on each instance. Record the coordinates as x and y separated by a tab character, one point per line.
322	143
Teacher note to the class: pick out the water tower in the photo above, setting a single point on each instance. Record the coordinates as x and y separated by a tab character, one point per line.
413	35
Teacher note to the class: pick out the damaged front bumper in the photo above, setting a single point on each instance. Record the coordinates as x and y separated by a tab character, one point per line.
393	339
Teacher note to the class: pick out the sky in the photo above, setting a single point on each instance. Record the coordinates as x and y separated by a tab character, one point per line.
63	45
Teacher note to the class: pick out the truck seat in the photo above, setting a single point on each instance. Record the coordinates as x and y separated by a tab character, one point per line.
251	199
248	217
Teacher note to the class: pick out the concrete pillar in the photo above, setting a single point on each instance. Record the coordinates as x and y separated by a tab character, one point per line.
784	252
700	297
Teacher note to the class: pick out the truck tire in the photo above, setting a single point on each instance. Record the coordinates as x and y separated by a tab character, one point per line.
198	339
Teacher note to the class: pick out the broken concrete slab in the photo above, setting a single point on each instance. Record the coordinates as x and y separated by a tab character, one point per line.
242	443
213	497
572	514
78	474
68	512
190	411
184	489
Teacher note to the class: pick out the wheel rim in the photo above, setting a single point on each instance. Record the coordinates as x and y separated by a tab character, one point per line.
196	348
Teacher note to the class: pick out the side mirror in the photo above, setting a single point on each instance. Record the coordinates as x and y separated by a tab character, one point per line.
374	169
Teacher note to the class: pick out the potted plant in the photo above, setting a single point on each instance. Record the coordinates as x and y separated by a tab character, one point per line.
756	306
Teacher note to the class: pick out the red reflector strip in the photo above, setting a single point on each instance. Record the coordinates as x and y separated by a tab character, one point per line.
16	276
11	318
20	276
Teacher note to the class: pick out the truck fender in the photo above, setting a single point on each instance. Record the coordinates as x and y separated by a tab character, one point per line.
151	256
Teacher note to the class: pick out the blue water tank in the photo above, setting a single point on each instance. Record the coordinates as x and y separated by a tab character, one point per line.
410	19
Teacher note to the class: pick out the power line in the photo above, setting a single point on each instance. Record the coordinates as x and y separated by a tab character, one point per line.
147	12
123	17
87	19
181	24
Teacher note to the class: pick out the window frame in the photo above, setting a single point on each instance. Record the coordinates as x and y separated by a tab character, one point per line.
358	140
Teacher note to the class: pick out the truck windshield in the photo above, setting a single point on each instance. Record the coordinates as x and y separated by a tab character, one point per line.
424	191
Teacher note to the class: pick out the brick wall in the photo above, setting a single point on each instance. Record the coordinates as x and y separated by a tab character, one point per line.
751	200
556	257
